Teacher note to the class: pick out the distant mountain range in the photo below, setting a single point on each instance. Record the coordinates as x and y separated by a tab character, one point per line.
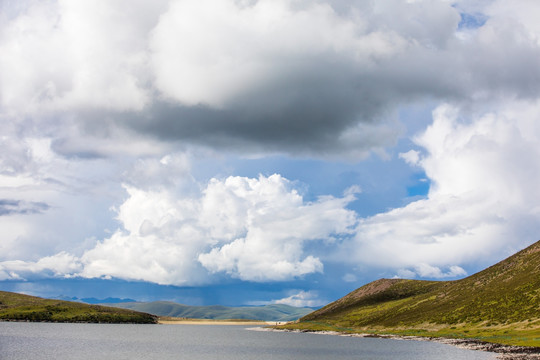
500	304
276	312
93	300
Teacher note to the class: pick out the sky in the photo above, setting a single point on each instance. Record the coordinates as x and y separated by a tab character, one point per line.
247	152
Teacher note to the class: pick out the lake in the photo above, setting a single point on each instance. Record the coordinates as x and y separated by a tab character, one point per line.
202	342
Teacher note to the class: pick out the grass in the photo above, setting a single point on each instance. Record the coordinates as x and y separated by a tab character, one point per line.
19	307
506	335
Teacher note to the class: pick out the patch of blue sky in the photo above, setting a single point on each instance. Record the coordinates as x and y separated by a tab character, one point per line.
416	117
420	186
472	21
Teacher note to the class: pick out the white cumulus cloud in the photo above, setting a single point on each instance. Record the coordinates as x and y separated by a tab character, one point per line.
483	198
276	223
411	157
302	299
251	228
424	270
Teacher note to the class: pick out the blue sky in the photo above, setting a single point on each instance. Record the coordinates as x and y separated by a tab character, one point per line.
253	152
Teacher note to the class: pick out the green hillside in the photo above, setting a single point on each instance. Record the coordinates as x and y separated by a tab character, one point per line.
277	312
500	304
19	307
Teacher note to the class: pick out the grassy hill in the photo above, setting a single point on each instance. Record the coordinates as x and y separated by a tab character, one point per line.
500	304
277	312
19	307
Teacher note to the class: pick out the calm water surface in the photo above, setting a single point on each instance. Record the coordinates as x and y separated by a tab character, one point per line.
203	342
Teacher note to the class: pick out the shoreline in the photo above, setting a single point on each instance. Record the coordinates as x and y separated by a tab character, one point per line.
505	352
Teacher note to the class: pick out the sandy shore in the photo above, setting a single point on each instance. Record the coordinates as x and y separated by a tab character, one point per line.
182	321
505	352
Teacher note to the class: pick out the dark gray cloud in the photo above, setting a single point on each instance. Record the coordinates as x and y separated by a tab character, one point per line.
311	113
289	117
19	207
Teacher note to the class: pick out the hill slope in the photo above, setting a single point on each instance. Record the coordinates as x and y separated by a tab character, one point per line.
499	304
277	312
19	307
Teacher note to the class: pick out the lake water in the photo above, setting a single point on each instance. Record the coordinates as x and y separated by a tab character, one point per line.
203	342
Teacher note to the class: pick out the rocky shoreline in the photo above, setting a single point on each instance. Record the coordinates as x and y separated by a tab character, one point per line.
505	352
